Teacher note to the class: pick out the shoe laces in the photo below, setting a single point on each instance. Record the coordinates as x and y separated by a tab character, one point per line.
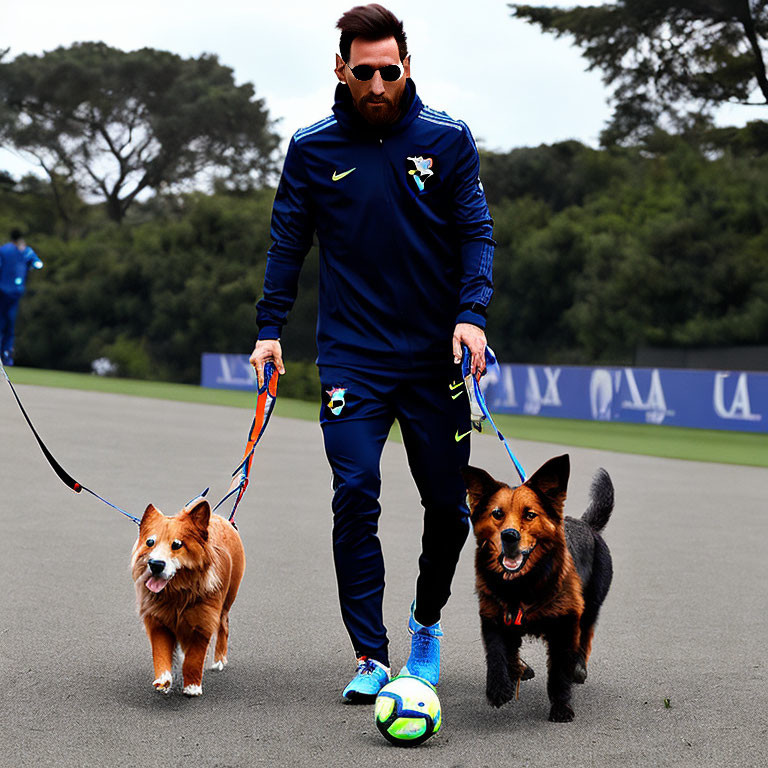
365	666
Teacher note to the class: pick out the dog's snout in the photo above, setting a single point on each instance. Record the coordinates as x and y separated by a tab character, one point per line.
510	537
156	566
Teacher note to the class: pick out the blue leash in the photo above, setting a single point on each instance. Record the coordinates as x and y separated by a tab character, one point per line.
478	407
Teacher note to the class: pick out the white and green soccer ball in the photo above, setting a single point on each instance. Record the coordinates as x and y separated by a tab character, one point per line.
407	711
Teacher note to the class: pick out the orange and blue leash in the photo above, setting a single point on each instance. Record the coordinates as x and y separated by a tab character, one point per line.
266	396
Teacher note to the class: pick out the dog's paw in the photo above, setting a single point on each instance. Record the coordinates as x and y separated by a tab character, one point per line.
163	683
580	673
499	692
220	664
193	690
560	713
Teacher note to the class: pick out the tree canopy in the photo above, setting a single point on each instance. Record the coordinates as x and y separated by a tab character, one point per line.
626	250
115	123
599	252
670	63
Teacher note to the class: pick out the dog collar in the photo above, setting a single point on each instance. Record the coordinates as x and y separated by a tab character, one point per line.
518	621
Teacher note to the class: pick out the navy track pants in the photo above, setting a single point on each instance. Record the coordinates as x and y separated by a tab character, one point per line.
9	307
357	413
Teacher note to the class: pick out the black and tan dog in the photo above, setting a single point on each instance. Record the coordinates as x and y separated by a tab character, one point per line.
539	573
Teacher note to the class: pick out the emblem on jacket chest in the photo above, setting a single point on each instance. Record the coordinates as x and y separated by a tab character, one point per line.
423	170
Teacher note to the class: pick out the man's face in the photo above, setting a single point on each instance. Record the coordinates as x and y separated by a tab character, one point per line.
376	100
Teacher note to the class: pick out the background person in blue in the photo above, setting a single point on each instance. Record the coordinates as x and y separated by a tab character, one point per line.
16	259
391	189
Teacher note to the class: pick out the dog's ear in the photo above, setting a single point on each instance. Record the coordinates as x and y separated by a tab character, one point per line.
551	481
150	513
479	485
200	515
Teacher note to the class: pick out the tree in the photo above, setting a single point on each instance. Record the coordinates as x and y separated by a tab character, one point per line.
670	63
117	123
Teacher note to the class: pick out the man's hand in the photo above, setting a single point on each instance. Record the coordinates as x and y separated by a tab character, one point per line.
472	337
265	350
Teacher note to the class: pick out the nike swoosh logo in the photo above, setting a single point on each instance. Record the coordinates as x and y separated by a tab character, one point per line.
461	437
338	176
455	385
458	394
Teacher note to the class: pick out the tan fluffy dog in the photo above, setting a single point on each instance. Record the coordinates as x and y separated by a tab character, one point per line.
187	570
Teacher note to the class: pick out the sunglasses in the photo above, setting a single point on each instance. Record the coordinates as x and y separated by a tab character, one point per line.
364	72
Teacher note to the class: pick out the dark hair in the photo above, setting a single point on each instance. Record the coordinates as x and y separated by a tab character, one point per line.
16	234
371	22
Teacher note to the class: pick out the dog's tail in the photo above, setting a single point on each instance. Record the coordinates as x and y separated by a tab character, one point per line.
601	501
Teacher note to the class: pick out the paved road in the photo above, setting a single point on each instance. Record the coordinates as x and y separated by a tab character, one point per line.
686	619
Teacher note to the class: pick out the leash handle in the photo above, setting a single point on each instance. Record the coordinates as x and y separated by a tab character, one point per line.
477	400
266	396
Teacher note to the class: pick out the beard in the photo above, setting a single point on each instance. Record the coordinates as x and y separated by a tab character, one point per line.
378	110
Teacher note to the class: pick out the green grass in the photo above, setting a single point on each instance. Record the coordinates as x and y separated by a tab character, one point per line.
648	439
717	445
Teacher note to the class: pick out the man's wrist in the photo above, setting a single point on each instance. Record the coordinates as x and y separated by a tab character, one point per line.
473	318
269	333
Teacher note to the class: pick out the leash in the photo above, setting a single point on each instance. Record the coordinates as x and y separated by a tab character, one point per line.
63	475
266	396
265	403
478	409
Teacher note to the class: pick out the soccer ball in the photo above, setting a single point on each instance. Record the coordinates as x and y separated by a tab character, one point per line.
407	711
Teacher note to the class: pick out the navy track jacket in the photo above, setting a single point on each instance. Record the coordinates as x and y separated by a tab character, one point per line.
405	236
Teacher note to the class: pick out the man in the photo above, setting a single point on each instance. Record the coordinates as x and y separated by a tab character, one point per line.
391	189
16	259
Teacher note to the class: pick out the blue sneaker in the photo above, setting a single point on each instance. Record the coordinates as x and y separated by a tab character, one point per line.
424	660
370	678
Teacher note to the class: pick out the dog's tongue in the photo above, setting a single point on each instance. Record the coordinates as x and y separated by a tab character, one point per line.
156	584
513	564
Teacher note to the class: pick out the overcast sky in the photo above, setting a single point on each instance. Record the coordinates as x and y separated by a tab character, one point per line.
513	85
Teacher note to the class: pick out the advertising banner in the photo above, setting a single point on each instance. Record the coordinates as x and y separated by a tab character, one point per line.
227	372
734	400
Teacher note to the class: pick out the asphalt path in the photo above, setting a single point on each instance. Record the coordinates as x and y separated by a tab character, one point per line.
685	620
